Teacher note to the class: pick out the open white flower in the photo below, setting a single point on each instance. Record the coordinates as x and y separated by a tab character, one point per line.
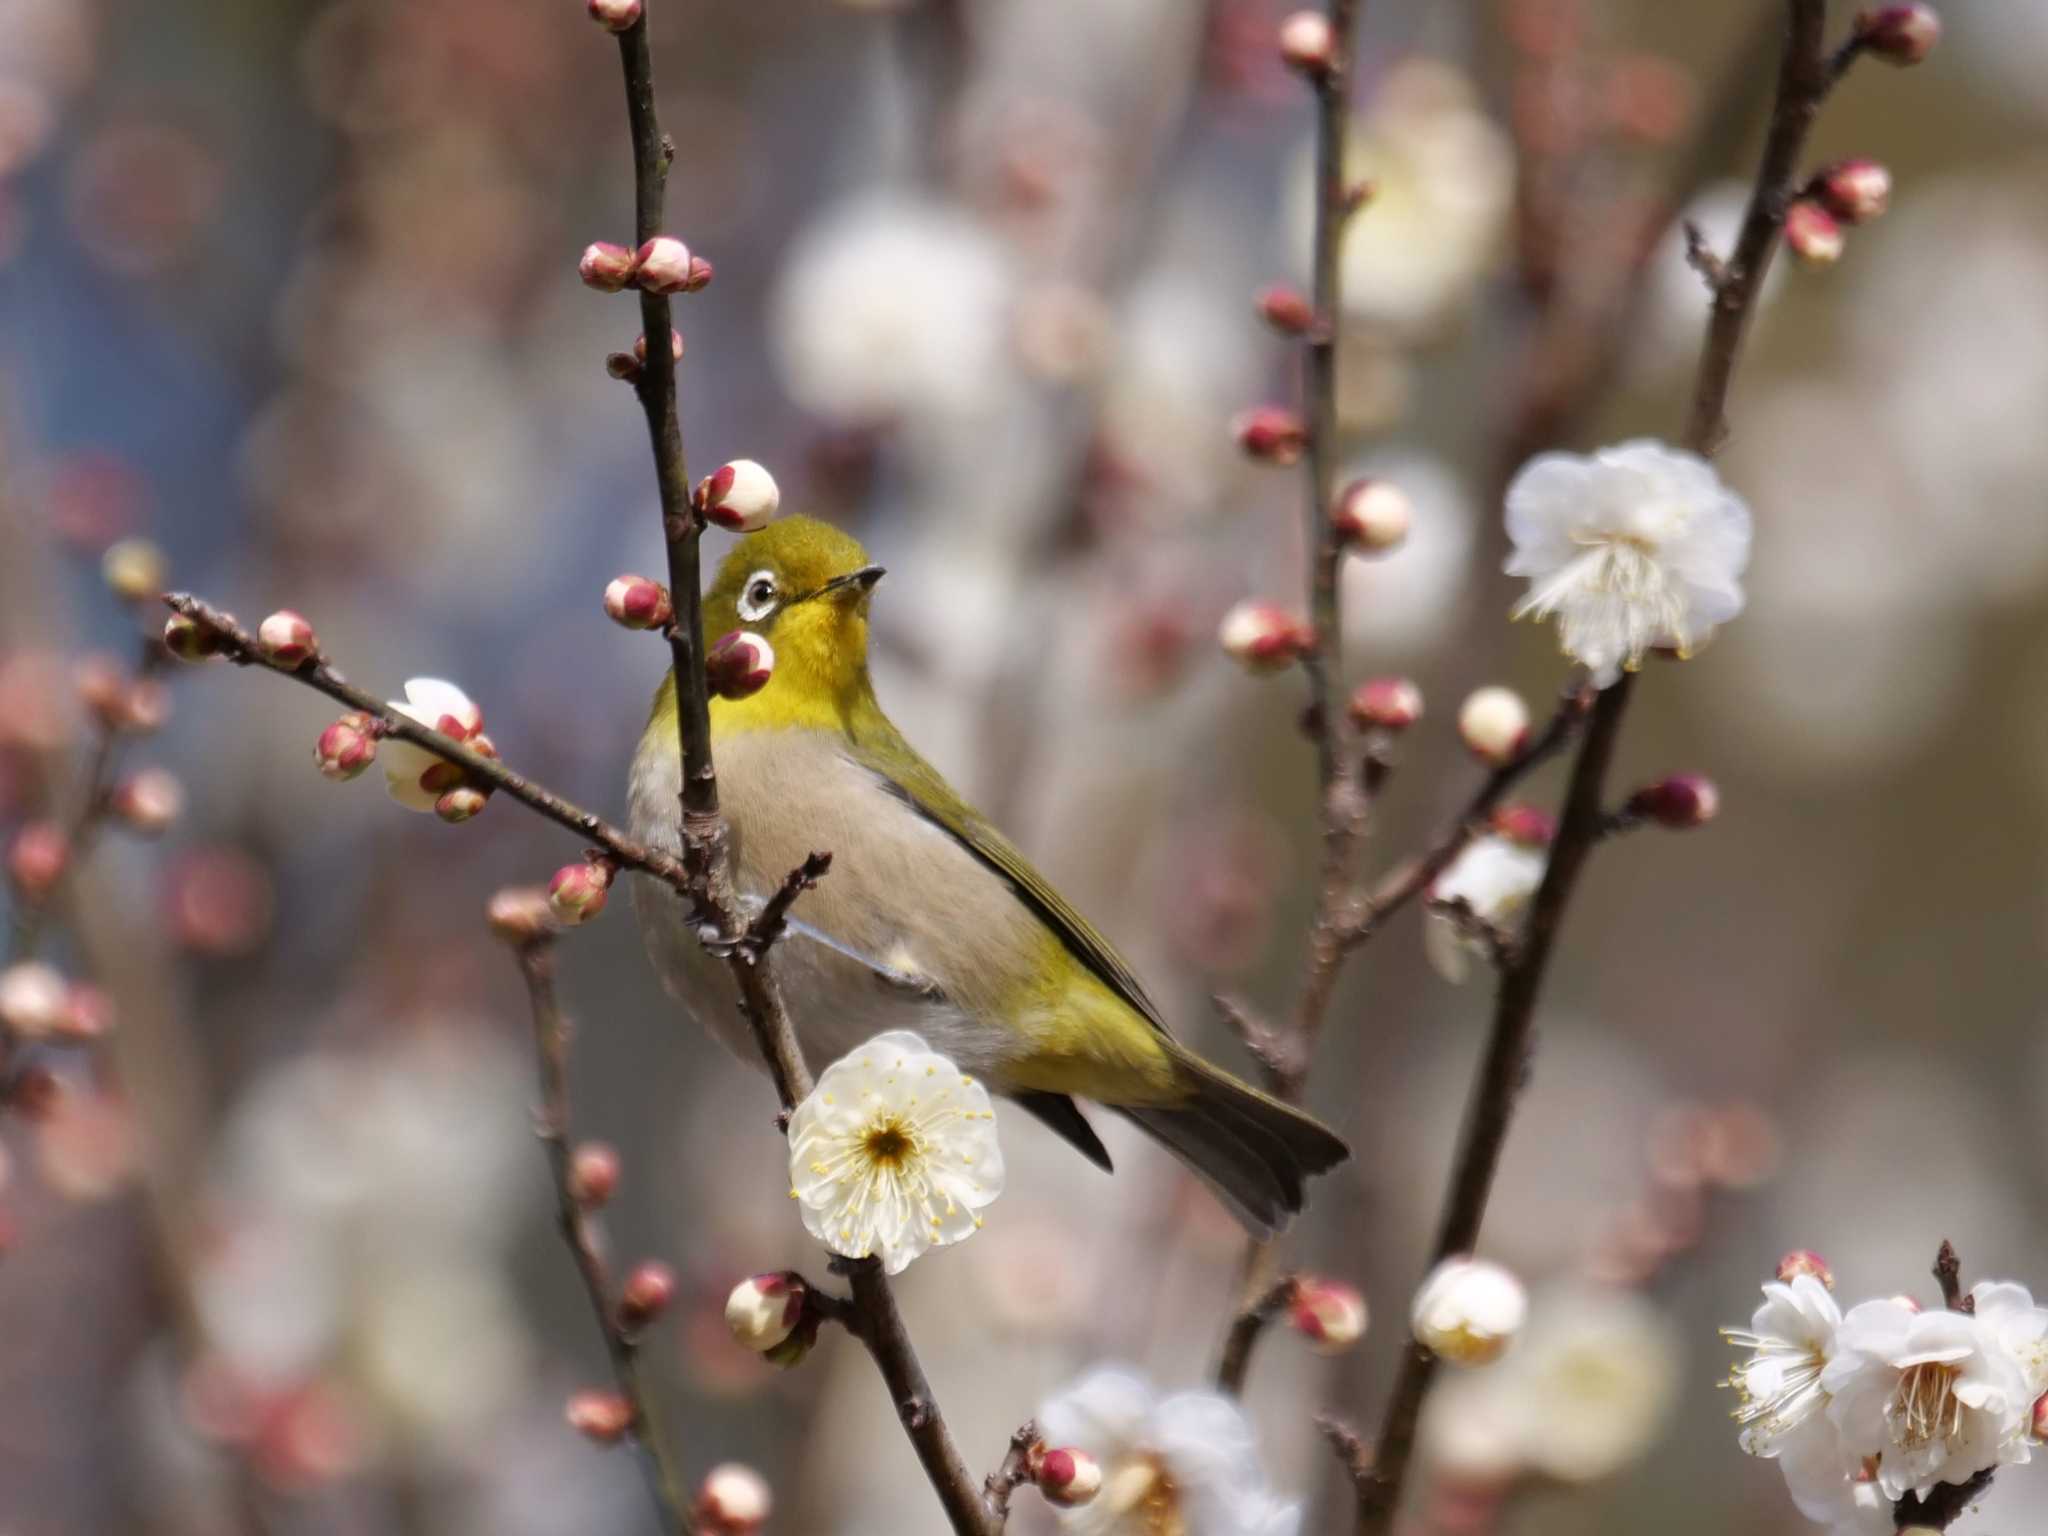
1936	1396
1635	547
1185	1464
415	777
1492	879
1790	1341
893	1152
2008	1310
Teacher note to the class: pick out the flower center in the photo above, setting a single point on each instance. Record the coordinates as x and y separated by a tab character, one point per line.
1142	1491
888	1144
1779	1388
1924	1406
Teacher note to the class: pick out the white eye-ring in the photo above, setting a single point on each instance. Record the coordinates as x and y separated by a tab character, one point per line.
758	597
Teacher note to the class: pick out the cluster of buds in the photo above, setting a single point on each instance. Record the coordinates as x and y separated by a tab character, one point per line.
1493	723
739	664
1328	1313
738	497
1468	1311
37	858
771	1314
1264	637
662	265
134	570
577	892
1388	704
1899	34
1271	434
1371	517
1849	192
1680	802
638	602
37	1002
734	1500
118	702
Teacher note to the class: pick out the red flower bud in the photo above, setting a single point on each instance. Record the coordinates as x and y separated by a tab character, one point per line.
1271	434
740	496
662	266
1330	1315
615	15
35	999
1068	1477
1288	310
1263	637
1494	724
287	638
1386	704
646	1294
740	664
764	1310
733	1501
593	1174
577	893
1308	43
1525	824
1900	34
1371	516
606	267
1804	1261
603	1416
701	273
1812	234
1855	191
1682	801
675	347
346	747
635	602
37	857
461	803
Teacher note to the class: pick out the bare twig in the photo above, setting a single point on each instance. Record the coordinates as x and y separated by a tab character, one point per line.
1945	1504
1351	1451
1245	1328
1803	81
551	1036
1019	1466
774	917
1948	1273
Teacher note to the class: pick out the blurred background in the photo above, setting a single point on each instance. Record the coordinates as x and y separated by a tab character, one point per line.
289	289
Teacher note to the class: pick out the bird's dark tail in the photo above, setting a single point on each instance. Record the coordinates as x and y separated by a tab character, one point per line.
1253	1150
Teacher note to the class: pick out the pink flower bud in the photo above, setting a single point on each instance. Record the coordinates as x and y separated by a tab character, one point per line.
134	570
1068	1478
615	15
593	1174
35	1000
1900	34
740	496
739	665
1525	824
635	602
764	1311
1855	191
577	893
1682	801
1288	310
603	1416
145	706
102	685
606	267
1468	1311
189	640
1308	43
287	638
662	266
346	747
149	801
520	914
1386	704
1494	724
1804	1261
1371	516
88	1014
2038	1421
1271	434
675	346
461	803
1330	1315
1263	637
1812	234
733	1501
646	1294
37	857
701	273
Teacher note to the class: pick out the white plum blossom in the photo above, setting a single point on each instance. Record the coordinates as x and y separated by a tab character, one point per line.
1635	547
415	777
1783	1408
893	1152
1935	1396
1185	1464
1493	879
2021	1327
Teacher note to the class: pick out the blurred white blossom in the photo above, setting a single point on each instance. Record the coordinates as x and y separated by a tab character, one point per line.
1492	878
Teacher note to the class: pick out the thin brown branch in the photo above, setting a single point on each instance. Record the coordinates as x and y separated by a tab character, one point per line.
1246	1329
1948	1274
580	1231
1945	1504
1352	1453
1257	1036
769	923
1803	81
1019	1466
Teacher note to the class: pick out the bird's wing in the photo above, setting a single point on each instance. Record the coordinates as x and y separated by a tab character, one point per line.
902	772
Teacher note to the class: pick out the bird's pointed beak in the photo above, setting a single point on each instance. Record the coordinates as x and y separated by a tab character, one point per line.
860	582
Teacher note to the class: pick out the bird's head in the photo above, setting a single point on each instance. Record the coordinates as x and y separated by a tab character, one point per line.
803	586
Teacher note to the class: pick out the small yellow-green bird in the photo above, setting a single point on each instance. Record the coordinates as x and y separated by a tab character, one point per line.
930	920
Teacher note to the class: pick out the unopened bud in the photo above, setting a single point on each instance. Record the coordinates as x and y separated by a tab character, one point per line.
102	685
1468	1311
615	15
739	665
636	602
149	801
1900	34
189	640
2039	1418
1804	1261
603	1416
1271	434
733	1501
1308	43
646	1294
287	638
37	857
1494	724
740	496
675	347
1682	801
520	914
346	747
1855	191
577	893
1813	235
1526	824
593	1174
134	569
144	707
606	267
1288	310
1068	1478
88	1014
1371	516
35	1000
1263	637
461	803
701	273
1385	704
1330	1315
662	266
764	1311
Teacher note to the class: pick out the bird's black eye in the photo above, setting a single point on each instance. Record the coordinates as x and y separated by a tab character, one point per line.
758	596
